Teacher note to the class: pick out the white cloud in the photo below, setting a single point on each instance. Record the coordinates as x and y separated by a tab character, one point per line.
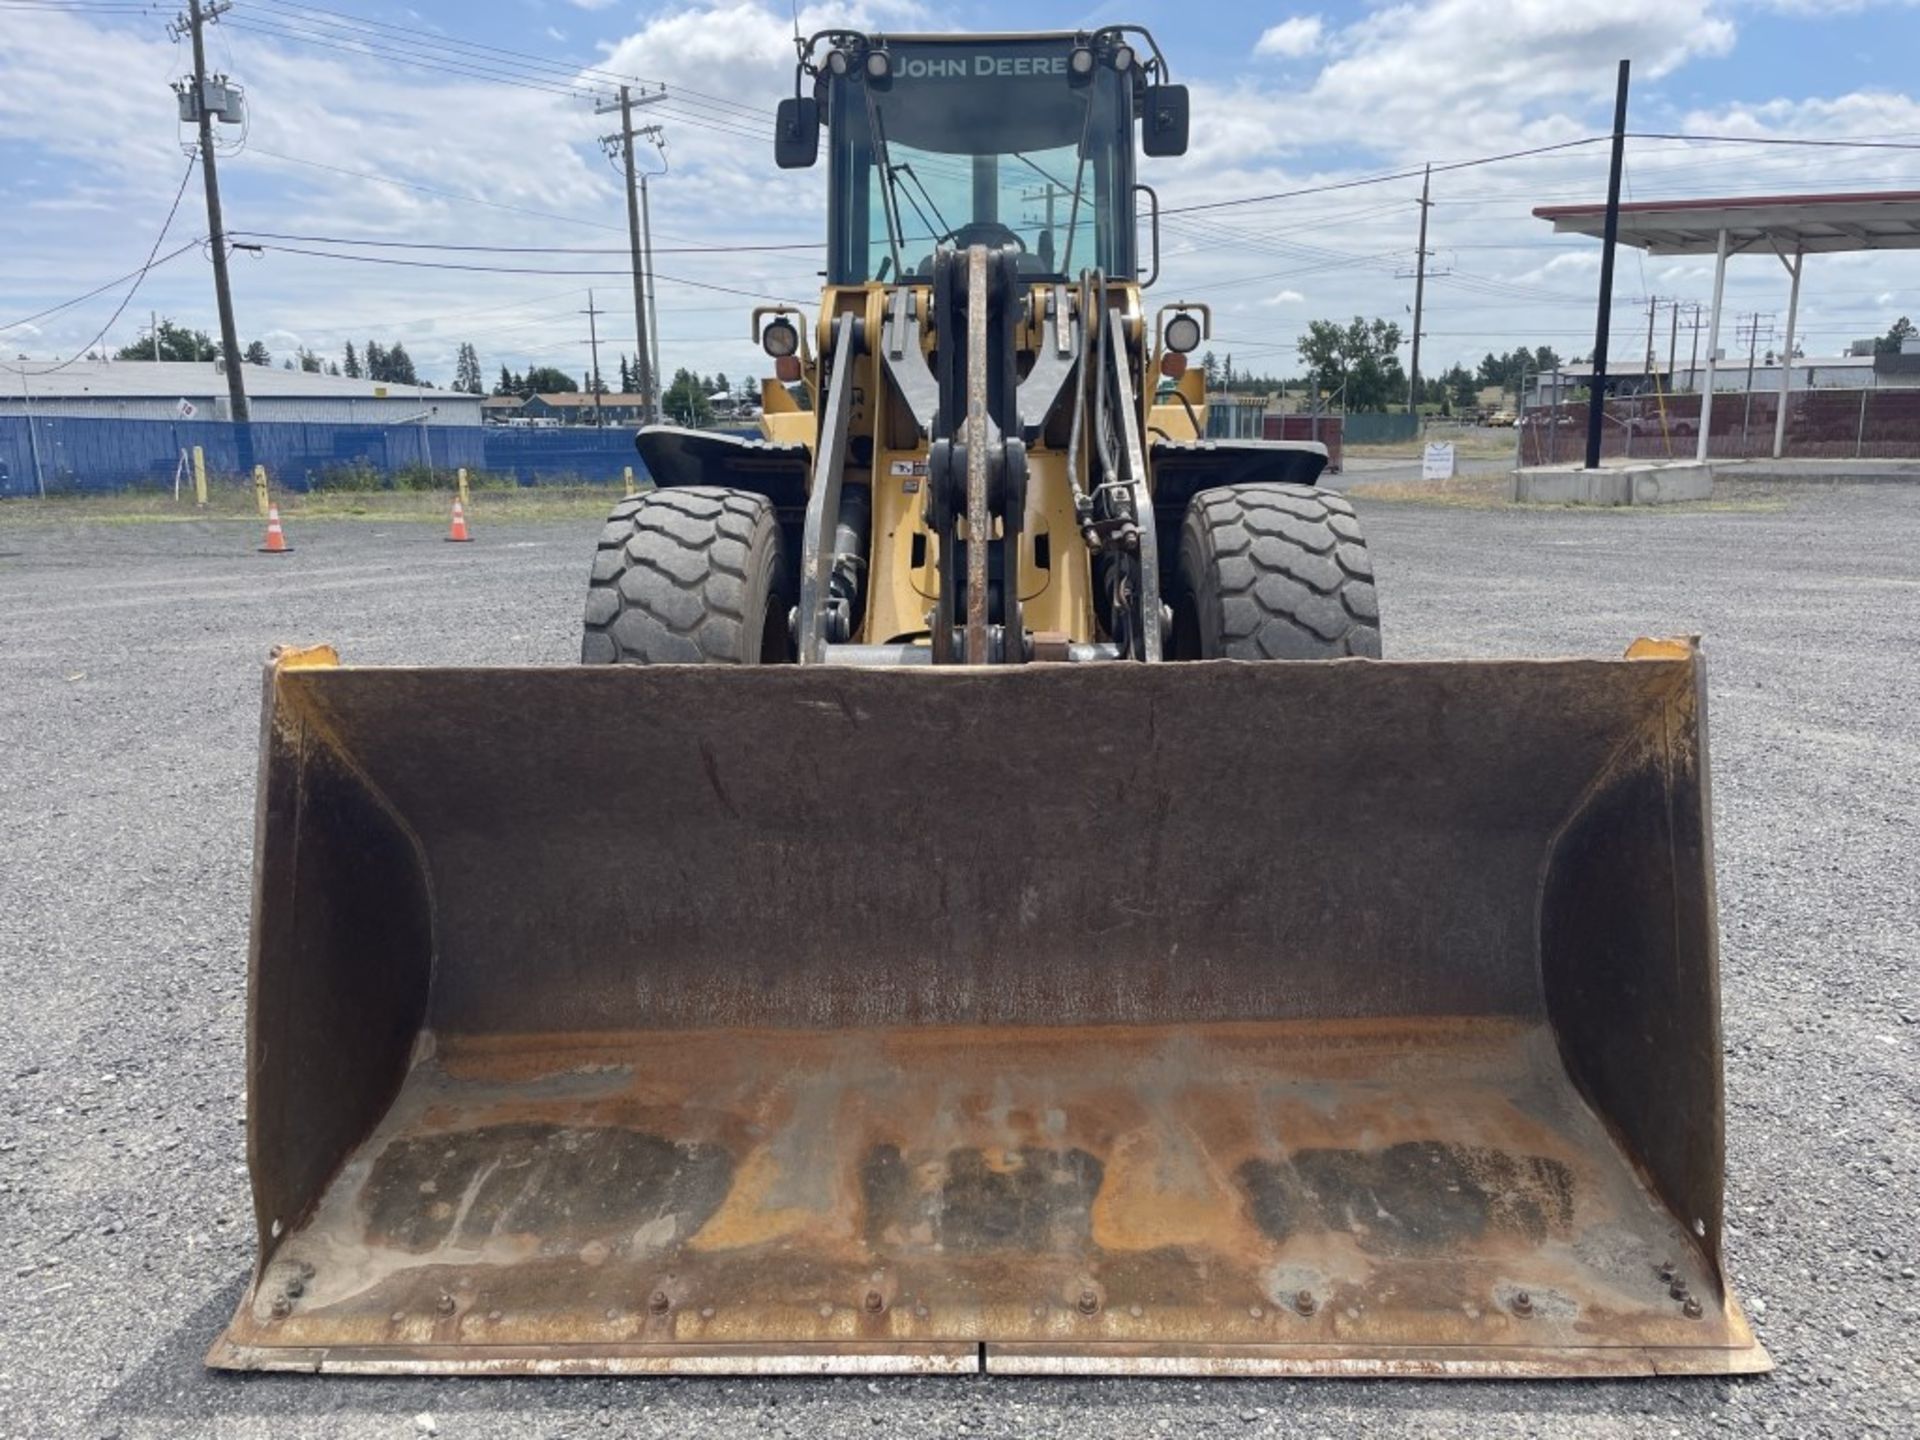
1291	39
88	108
1457	75
590	4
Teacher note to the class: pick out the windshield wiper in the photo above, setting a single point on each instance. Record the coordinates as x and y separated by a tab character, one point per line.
889	200
1079	177
906	168
1046	175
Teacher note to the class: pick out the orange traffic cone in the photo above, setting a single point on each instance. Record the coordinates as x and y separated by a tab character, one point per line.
458	531
276	542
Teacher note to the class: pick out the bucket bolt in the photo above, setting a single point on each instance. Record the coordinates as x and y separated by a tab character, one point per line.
659	1302
282	1307
875	1302
1691	1309
445	1306
1677	1290
1522	1303
1089	1302
1667	1271
1304	1302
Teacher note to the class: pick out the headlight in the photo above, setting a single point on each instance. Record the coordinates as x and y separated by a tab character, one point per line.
1123	58
1183	334
780	339
837	61
879	66
1081	61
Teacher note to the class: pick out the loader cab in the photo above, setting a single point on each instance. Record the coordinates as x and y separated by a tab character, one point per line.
1020	141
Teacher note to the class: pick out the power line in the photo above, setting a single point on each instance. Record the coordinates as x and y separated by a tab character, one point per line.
99	289
321	17
517	270
527	249
138	276
1383	179
342	19
363	49
1790	140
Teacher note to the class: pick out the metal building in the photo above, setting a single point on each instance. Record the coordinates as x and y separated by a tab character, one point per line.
188	391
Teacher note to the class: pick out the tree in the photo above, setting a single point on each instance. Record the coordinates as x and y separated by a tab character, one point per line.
466	371
309	362
685	400
176	343
1360	359
626	377
375	361
506	384
351	363
1461	387
1901	330
256	354
400	366
1509	371
546	380
333	367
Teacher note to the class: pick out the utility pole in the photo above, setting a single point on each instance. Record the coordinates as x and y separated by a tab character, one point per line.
1597	397
1419	292
1673	344
196	20
153	317
1693	365
1753	344
644	356
593	341
653	302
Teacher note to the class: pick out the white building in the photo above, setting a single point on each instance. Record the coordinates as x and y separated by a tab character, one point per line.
192	391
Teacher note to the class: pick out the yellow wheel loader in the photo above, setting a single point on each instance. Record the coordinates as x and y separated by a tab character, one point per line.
984	904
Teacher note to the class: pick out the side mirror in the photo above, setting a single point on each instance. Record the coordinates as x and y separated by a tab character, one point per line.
796	133
1163	120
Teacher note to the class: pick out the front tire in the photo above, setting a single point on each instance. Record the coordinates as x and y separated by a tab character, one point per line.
694	575
1274	572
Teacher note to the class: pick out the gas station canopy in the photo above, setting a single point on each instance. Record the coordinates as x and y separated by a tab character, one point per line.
1809	224
1790	227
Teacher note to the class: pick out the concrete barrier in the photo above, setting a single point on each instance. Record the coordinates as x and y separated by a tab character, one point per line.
1654	484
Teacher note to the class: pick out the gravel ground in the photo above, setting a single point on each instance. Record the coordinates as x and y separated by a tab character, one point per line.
129	696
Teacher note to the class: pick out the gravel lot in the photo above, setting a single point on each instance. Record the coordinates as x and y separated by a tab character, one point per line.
129	699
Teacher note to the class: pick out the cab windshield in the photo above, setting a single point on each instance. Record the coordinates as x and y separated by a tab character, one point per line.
982	144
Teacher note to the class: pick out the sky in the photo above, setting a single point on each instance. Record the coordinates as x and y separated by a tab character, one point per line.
392	128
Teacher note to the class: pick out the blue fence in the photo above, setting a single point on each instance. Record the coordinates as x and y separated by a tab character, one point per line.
76	455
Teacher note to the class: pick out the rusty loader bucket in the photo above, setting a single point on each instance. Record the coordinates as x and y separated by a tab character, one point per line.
1335	1018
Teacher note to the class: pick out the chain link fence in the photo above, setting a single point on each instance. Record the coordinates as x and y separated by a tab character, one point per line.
69	455
1865	424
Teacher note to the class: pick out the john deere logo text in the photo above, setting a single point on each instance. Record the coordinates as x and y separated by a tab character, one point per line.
959	67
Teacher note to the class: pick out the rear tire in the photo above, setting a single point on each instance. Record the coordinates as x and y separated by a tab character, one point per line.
689	576
1274	572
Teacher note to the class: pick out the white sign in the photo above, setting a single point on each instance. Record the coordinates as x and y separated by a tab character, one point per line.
1437	463
186	409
